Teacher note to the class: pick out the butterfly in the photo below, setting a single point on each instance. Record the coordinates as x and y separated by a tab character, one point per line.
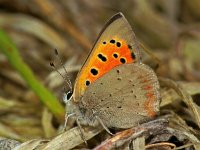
114	88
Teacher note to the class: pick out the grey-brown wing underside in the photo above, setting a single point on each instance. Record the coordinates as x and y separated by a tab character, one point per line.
125	96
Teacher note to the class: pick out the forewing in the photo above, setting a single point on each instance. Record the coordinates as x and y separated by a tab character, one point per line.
115	45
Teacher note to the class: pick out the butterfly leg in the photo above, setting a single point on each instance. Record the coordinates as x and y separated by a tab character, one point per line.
101	122
81	131
103	125
67	116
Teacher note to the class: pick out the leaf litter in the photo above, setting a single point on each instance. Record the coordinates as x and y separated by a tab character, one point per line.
168	29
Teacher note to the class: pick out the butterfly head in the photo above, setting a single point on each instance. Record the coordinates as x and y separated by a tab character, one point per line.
69	104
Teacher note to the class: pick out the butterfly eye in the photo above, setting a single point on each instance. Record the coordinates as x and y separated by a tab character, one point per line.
67	96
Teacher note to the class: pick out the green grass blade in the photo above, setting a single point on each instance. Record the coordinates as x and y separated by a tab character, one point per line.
13	56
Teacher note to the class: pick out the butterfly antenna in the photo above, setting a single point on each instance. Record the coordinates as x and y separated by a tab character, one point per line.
67	79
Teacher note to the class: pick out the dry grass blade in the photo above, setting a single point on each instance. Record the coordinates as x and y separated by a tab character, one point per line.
34	27
150	53
30	145
130	134
162	36
6	131
53	12
12	53
162	145
187	99
139	143
48	128
66	140
71	138
196	145
169	95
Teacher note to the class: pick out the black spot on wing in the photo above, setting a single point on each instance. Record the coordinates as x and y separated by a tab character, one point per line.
118	44
87	83
115	55
112	41
102	57
122	60
94	71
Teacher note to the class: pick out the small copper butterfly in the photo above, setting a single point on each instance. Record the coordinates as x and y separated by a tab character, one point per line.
114	88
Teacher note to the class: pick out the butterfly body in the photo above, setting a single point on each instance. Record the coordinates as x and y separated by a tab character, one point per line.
113	86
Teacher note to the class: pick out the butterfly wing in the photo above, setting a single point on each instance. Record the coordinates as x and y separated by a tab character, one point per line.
125	96
115	45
